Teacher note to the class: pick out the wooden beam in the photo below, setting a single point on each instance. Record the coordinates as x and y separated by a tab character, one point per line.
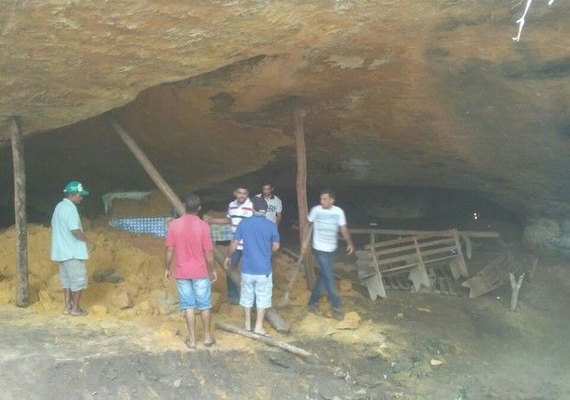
159	181
22	289
265	339
301	186
406	232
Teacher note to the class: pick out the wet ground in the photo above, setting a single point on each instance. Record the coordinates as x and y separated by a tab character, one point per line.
484	351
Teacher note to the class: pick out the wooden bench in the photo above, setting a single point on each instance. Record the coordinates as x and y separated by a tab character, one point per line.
398	262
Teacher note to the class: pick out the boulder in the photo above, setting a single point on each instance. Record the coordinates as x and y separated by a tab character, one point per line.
110	275
351	321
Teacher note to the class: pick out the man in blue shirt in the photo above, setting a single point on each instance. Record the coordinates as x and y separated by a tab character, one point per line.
260	240
69	247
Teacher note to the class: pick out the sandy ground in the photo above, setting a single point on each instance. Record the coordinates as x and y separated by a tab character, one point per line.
131	344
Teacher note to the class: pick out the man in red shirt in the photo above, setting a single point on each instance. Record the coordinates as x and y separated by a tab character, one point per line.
188	242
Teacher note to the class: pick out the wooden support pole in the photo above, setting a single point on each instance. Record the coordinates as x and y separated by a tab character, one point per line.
22	289
267	340
159	181
302	188
271	315
515	286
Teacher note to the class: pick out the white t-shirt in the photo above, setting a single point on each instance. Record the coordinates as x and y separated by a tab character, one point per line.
237	212
326	223
274	206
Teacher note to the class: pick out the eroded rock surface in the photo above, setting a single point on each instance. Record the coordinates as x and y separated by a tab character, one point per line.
418	94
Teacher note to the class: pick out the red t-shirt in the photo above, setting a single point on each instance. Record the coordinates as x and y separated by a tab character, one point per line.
190	238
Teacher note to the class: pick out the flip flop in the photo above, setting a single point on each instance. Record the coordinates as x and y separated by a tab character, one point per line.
79	313
263	334
210	344
66	312
190	347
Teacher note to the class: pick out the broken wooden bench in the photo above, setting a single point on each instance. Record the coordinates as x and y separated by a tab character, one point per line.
431	259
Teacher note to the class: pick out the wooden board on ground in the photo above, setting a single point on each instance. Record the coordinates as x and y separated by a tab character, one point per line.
493	276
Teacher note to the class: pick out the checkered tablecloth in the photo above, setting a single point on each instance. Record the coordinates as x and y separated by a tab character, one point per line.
156	226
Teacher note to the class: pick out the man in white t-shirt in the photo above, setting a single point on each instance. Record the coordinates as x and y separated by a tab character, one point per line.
327	219
274	204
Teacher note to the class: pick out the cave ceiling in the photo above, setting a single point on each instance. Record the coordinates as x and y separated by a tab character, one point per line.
415	93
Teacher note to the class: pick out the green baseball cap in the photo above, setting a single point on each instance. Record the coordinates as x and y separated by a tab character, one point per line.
75	187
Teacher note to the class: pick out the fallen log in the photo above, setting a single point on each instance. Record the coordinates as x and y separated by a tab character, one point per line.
265	339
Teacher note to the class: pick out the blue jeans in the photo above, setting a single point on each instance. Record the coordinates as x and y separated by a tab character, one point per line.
233	289
325	259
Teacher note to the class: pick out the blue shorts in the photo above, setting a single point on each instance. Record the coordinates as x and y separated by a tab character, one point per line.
256	288
194	293
73	274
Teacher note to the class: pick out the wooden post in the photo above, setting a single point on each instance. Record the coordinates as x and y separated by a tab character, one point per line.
515	286
265	339
271	315
22	292
302	188
163	186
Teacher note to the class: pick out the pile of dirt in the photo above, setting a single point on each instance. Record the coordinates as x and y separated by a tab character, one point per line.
154	205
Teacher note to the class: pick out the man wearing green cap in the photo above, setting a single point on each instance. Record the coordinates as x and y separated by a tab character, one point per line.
69	247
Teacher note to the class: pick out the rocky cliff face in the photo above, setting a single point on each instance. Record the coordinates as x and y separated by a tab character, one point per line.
430	93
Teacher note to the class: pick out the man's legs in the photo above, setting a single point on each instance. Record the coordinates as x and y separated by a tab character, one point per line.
247	298
259	321
75	298
67	301
202	289
206	321
263	288
247	322
189	316
233	290
73	275
325	279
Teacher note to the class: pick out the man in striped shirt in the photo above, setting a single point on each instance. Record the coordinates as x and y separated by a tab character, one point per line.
238	209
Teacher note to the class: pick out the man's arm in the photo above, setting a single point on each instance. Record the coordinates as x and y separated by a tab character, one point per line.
278	215
306	240
346	236
218	220
231	248
211	267
79	235
168	256
275	246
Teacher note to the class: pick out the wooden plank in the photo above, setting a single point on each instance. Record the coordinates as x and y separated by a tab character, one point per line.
378	284
389	242
439	251
407	232
462	265
264	339
494	275
22	288
420	275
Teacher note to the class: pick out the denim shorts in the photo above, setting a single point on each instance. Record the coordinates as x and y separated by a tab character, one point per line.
194	293
73	274
256	288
